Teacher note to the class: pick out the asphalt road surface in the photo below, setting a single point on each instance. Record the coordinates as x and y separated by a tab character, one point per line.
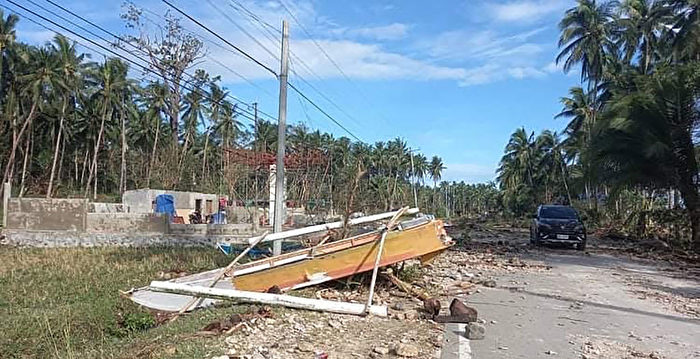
588	306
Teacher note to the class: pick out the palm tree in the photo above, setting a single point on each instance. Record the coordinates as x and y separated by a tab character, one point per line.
110	79
70	65
687	40
585	35
436	168
643	24
44	74
648	139
7	39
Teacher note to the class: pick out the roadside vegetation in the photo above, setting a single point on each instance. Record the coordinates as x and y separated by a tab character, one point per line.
628	156
65	303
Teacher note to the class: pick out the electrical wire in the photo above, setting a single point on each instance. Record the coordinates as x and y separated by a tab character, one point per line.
122	40
144	68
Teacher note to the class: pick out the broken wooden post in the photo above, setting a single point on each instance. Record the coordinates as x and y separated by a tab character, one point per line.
268	298
385	231
5	202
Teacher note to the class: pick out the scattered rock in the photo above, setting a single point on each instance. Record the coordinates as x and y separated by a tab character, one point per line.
432	306
335	323
411	315
474	331
489	283
406	350
398	306
550	352
381	350
305	347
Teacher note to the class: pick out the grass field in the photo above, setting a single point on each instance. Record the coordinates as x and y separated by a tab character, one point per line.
65	303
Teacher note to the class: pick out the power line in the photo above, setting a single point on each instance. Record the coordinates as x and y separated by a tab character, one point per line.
251	14
323	112
290	84
221	38
323	51
98	45
225	15
122	40
228	68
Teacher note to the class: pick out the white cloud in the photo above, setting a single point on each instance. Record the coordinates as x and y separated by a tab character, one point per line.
393	31
480	45
468	172
526	10
36	37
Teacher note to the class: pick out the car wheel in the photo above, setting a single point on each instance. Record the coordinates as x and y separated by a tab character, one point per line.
581	246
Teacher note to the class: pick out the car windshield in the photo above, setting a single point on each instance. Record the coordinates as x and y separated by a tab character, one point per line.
558	212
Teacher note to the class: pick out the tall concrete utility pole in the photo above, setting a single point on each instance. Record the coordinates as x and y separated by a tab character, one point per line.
281	129
413	181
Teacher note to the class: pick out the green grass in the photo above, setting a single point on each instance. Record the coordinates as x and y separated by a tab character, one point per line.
65	303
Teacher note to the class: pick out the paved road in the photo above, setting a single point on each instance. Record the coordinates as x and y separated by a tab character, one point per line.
583	298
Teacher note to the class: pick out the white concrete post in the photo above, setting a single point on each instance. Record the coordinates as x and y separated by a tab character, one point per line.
5	202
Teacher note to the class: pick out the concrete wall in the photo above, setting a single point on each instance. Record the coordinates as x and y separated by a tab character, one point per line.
77	239
126	223
239	229
47	214
99	207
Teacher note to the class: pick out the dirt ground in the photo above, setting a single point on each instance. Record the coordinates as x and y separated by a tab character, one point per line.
534	302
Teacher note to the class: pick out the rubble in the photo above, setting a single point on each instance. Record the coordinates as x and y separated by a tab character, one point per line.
475	331
406	350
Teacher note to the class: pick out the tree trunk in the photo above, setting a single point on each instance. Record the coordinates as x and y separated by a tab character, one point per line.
24	164
13	150
687	169
93	167
56	149
204	161
153	155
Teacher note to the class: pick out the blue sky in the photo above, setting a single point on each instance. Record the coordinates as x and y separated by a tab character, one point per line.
453	79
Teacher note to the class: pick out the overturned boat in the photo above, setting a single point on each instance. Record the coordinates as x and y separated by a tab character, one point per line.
422	237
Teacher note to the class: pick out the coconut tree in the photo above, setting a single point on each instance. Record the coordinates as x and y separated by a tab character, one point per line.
7	39
648	137
43	75
70	64
687	39
642	25
110	79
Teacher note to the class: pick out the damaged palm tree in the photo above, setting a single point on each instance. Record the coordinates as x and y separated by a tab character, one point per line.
422	237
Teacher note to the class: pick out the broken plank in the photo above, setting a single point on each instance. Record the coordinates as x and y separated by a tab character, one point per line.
268	298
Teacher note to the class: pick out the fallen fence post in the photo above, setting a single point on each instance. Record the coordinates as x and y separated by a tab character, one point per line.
268	298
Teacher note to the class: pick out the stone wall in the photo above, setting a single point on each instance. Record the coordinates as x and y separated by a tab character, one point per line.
239	229
77	239
126	223
47	214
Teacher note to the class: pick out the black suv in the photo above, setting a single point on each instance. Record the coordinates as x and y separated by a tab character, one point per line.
558	224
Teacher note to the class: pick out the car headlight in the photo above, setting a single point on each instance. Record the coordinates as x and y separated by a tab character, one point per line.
544	226
579	229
